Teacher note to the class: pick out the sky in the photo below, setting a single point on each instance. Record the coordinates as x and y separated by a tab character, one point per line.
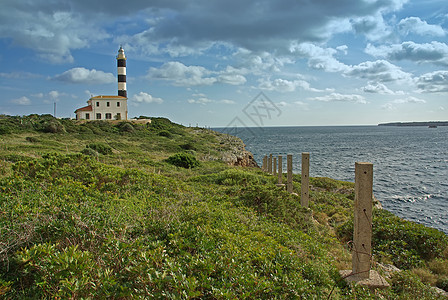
216	63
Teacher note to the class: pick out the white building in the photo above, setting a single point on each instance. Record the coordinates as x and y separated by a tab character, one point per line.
104	108
108	107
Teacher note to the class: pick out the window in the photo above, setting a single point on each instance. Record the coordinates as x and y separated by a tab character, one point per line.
97	104
107	104
98	116
118	116
118	104
87	116
108	115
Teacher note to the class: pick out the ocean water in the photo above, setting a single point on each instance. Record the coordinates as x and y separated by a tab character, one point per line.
410	163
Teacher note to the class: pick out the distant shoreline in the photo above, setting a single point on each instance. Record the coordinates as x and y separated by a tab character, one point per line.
427	124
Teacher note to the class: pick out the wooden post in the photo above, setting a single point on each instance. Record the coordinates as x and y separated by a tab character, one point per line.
270	164
274	167
280	170
265	162
289	175
305	197
362	236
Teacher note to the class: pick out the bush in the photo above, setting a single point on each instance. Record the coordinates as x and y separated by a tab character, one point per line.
405	243
183	160
32	139
54	126
126	127
188	146
165	133
442	283
89	152
100	148
406	283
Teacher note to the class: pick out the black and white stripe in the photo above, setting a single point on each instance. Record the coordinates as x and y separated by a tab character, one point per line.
121	71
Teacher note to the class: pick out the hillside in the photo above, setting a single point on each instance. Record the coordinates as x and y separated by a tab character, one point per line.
101	210
426	124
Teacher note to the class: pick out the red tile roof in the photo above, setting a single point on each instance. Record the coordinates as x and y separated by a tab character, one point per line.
85	108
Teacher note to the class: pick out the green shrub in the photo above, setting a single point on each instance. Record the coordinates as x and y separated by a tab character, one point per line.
233	177
4	129
53	126
405	243
442	283
89	152
407	284
126	127
188	146
165	133
100	148
184	160
32	139
439	266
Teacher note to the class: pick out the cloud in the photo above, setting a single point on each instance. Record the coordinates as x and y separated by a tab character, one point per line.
182	75
336	97
21	101
178	28
434	52
410	99
259	62
284	85
318	57
200	100
380	70
55	96
38	95
85	76
19	75
50	28
143	97
233	79
373	27
186	27
227	101
434	82
416	25
379	88
342	48
203	99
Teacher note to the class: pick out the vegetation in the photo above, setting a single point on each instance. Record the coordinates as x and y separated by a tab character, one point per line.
100	210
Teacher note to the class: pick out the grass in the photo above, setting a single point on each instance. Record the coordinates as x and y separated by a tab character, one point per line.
127	223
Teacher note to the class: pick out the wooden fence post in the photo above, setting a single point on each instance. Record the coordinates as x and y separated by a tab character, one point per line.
362	231
362	235
265	162
305	197
274	167
280	170
289	173
270	164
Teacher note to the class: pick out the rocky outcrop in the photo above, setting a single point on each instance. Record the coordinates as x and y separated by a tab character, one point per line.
234	152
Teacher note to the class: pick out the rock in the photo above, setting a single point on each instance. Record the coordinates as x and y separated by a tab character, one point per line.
235	153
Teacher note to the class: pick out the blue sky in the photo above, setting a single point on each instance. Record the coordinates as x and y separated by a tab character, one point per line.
206	62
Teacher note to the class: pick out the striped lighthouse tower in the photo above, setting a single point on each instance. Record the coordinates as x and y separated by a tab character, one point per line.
121	71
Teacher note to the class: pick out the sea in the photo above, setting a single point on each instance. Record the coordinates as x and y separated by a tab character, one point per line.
410	163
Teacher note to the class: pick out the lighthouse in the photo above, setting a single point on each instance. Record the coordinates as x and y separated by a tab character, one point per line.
108	107
121	71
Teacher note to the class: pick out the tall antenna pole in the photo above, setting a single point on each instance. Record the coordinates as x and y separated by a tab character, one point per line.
54	109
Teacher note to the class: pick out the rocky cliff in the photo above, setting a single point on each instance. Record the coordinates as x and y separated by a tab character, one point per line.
235	153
